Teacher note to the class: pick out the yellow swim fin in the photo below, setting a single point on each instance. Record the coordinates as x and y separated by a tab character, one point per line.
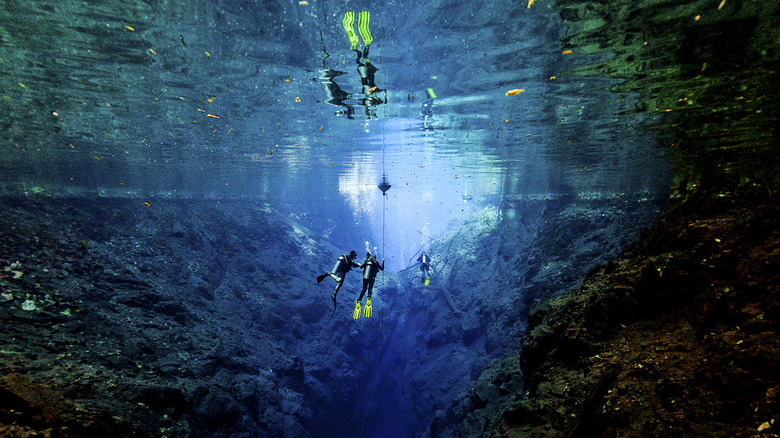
349	23
367	310
363	18
356	313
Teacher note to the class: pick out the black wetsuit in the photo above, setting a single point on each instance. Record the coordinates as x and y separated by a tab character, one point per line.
370	268
425	266
343	265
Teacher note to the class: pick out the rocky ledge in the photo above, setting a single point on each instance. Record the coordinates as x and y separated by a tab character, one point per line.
676	338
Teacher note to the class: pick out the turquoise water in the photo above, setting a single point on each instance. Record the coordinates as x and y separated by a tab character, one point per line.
231	99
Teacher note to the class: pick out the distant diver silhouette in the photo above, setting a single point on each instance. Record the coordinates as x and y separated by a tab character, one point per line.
425	266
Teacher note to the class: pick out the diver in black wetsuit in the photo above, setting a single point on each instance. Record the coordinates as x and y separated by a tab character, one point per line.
370	92
367	72
344	264
425	266
370	268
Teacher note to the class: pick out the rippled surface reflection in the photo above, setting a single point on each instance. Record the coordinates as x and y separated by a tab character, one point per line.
268	100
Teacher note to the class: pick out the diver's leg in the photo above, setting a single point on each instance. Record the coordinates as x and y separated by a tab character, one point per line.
370	287
368	310
363	292
335	292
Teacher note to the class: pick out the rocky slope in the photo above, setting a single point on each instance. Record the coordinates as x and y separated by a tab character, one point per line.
680	338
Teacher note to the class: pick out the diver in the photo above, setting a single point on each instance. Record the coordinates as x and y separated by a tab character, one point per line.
425	267
344	264
370	268
365	68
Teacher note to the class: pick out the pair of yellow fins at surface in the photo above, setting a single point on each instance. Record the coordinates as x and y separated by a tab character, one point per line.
366	311
349	25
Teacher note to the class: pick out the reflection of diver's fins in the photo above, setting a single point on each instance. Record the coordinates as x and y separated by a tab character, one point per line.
321	277
356	313
363	20
427	280
367	310
349	23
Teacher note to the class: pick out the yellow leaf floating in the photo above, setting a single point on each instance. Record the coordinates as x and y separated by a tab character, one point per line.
152	51
212	116
530	2
147	204
130	28
722	4
208	54
567	52
515	91
22	85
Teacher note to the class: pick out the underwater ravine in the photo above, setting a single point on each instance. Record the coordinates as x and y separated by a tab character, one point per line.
175	177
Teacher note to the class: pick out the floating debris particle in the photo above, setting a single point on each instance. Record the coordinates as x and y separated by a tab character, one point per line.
152	51
147	204
207	54
303	3
722	4
182	40
567	52
212	116
530	2
697	18
297	99
515	91
22	85
130	28
553	77
287	79
55	113
28	305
